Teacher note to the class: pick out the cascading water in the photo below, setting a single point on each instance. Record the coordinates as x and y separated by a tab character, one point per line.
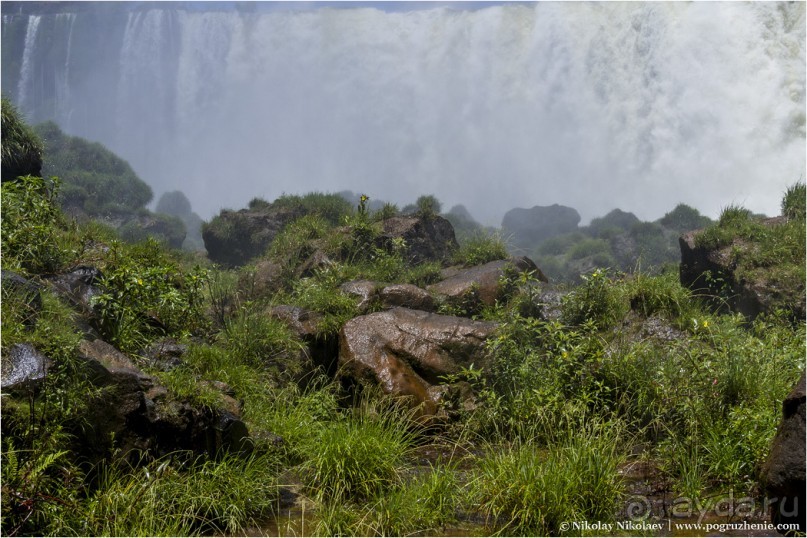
593	105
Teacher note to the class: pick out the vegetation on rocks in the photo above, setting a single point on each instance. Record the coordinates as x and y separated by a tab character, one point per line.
538	419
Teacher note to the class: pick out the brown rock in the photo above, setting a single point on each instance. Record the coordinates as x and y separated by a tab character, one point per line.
425	238
407	296
483	280
407	352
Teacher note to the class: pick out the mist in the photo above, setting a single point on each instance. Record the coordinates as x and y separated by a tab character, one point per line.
592	105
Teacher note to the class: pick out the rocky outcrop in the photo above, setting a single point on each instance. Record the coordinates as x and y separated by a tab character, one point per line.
233	238
23	369
482	284
408	353
425	238
79	286
374	296
714	270
529	227
131	408
784	472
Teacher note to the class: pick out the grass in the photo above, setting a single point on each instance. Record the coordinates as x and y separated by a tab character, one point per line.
358	457
525	490
480	248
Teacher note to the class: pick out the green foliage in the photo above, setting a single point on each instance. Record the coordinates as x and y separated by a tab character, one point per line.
428	206
660	295
594	301
794	202
528	491
31	225
253	338
480	248
146	295
174	203
358	457
96	180
21	149
331	207
684	218
162	499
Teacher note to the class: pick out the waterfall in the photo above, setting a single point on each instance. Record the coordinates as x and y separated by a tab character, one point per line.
24	90
592	105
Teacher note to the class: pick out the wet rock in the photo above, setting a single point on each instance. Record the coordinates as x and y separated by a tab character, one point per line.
320	350
23	368
79	286
407	296
265	280
365	290
550	301
165	354
407	352
425	238
26	291
317	261
783	474
483	282
131	412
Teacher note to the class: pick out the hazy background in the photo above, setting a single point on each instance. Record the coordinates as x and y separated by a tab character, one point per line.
592	105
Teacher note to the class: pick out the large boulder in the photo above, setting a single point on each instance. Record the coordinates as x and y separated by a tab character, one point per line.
132	412
784	472
715	270
425	238
482	284
233	238
409	353
530	227
319	350
23	369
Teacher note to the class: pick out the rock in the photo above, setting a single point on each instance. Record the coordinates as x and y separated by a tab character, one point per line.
132	412
27	291
23	368
317	261
407	296
233	238
426	239
530	227
365	290
266	279
550	301
320	350
783	474
78	286
164	354
407	352
483	282
714	270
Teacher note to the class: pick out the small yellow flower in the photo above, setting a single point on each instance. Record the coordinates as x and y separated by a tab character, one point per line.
705	324
139	281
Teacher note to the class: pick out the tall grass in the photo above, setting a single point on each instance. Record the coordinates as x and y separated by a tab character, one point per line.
528	490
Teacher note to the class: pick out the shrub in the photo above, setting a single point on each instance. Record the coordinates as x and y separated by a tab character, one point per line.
684	218
428	206
100	181
32	225
480	248
22	149
794	201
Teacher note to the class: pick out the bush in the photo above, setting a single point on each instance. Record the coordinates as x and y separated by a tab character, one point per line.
101	183
32	225
480	248
428	206
794	202
684	218
22	149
